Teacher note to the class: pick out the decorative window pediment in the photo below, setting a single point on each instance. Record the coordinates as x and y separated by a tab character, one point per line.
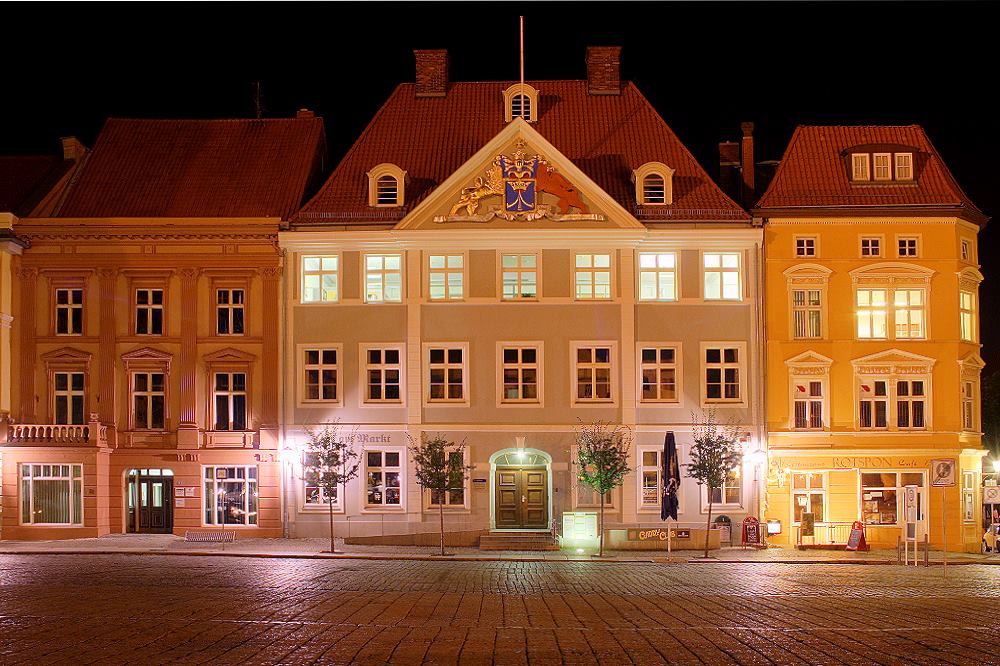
147	357
969	279
971	366
809	363
893	362
654	184
228	355
808	274
520	101
386	186
890	273
67	356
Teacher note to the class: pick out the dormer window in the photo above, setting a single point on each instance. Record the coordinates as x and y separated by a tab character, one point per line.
386	186
883	169
653	184
881	163
859	166
904	166
520	101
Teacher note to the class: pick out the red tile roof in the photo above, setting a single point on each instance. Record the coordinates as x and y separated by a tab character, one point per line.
814	172
198	168
606	136
24	181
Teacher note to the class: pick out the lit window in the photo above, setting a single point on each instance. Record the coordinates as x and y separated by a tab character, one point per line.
809	495
453	496
805	247
51	494
967	315
149	312
148	400
445	276
904	166
658	372
387	191
383	371
910	403
808	405
658	276
873	404
520	374
446	374
807	314
230	495
383	278
871	246
882	166
313	492
968	405
654	189
320	370
881	493
593	276
230	400
593	374
384	474
320	279
907	246
69	311
229	312
908	306
722	276
520	107
650	474
519	276
859	166
731	491
872	313
722	366
68	398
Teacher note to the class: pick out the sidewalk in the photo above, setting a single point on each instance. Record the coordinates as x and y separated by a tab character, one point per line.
169	544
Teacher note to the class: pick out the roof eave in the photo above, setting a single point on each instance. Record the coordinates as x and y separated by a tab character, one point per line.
972	215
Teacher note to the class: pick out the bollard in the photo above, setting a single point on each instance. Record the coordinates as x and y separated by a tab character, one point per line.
927	551
898	540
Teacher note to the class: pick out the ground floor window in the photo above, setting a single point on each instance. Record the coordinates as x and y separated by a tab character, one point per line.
731	491
453	497
809	495
384	474
969	483
649	478
586	496
881	493
51	494
313	492
231	495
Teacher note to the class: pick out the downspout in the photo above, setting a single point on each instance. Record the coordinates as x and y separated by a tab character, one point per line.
283	432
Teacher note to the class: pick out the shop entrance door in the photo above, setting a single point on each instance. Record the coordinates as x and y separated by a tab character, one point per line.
150	502
522	498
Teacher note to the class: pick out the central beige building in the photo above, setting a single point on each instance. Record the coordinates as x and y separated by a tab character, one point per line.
501	263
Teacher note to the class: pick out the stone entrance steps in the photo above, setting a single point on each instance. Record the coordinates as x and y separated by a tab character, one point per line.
518	541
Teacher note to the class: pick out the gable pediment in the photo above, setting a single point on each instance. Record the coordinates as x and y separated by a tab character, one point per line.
67	356
147	356
229	355
809	358
895	362
890	272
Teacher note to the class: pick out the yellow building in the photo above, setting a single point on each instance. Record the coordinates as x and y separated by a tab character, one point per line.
873	364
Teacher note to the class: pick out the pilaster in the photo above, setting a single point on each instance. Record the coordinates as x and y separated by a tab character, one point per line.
187	428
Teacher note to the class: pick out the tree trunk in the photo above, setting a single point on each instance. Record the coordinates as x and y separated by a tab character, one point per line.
708	528
441	515
332	547
601	528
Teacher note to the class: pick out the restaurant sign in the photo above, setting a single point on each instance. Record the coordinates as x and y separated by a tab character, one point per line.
847	462
657	534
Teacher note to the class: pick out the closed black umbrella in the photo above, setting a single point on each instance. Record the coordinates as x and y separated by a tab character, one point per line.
671	478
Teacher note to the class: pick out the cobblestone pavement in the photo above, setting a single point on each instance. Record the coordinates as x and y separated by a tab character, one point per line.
165	608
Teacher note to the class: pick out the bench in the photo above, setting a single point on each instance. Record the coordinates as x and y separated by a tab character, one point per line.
213	536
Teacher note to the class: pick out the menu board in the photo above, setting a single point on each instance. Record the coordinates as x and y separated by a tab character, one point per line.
808	524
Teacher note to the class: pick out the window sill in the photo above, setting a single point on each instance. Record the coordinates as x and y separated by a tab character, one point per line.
722	507
316	508
446	403
652	403
384	509
455	510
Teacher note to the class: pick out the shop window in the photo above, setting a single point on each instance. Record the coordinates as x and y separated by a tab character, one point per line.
51	494
519	276
722	276
383	374
658	374
807	313
148	400
445	276
149	312
69	398
658	276
593	374
722	370
446	374
809	495
320	375
520	374
383	472
881	493
312	492
593	277
383	278
69	311
453	497
320	279
230	401
229	311
230	495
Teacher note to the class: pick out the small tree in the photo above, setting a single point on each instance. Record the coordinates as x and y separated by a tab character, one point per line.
439	466
334	463
715	452
603	460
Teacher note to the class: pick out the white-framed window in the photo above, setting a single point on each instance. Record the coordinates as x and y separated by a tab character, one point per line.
860	166
593	277
966	249
520	101
321	374
967	315
519	276
69	398
657	276
454	497
904	166
650	478
872	313
654	189
808	495
229	311
808	404
908	246
722	276
911	403
383	379
386	190
593	373
871	246
384	478
969	485
229	401
658	373
447	372
873	404
148	400
729	494
383	278
908	309
149	312
230	495
520	373
881	495
584	495
807	313
445	275
321	279
69	311
51	494
968	405
882	163
805	246
313	494
520	107
386	186
722	373
653	184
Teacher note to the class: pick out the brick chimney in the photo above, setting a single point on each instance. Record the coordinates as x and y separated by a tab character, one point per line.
305	113
604	70
72	148
432	72
748	165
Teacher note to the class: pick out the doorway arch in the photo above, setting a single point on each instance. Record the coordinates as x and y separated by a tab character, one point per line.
520	466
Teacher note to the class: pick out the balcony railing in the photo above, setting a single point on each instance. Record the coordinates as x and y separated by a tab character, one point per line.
53	434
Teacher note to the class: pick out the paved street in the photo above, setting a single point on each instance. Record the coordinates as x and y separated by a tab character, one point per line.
164	608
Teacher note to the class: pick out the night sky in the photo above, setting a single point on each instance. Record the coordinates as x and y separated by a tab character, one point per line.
705	67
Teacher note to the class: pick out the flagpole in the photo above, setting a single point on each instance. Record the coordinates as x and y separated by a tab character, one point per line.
522	55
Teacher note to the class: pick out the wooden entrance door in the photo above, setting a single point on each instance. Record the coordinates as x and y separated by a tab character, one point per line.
522	498
151	504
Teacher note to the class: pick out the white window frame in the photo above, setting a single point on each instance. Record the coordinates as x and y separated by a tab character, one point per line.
428	495
903	162
879	241
740	365
658	366
809	400
970	484
898	489
641	468
965	250
969	423
658	273
322	505
724	506
654	189
886	167
502	399
909	399
378	172
874	399
401	468
68	394
593	270
304	366
806	308
871	312
251	486
809	491
382	271
74	481
321	273
364	365
907	238
386	190
967	315
612	347
861	167
231	394
611	497
446	366
148	395
231	308
806	247
149	308
446	272
519	272
722	270
70	306
910	313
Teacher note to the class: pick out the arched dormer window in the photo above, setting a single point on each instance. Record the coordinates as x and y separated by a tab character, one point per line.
520	101
653	184
386	186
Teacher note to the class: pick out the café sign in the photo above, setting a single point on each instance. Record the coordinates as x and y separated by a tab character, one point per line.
848	462
657	534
